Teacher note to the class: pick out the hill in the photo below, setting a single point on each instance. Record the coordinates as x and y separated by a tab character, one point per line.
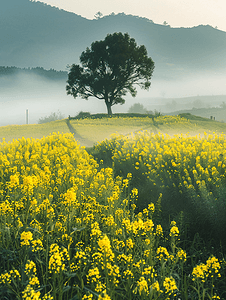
35	34
216	113
49	74
204	106
90	131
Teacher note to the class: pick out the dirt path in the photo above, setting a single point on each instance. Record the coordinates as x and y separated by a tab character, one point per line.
82	141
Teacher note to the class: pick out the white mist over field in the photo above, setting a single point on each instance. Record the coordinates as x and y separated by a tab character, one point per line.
192	85
44	96
41	98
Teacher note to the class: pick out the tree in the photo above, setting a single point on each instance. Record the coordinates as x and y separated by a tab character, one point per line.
109	69
166	24
52	117
98	15
137	108
223	105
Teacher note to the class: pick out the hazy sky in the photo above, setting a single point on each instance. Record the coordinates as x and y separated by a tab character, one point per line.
177	13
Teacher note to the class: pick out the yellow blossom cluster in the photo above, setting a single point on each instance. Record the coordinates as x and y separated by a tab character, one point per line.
58	259
26	238
6	278
211	269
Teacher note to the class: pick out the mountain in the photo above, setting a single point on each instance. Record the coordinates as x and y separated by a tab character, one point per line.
35	34
38	71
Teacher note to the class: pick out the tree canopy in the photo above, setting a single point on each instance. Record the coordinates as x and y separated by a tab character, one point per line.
137	108
109	69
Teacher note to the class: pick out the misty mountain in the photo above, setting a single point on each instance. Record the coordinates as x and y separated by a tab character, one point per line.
37	39
40	71
35	34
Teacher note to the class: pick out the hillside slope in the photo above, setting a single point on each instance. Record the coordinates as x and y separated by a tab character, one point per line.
90	131
35	34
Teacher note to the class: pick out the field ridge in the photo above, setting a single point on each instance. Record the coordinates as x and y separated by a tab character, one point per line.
89	131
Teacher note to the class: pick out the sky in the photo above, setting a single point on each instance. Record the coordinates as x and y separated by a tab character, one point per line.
177	13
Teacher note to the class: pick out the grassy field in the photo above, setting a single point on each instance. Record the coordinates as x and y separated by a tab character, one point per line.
90	131
11	132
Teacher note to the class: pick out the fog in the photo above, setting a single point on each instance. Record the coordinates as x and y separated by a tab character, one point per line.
43	96
167	95
191	85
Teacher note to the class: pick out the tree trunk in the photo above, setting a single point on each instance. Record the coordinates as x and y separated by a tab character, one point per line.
108	104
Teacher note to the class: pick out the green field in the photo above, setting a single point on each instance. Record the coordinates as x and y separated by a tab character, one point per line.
90	131
12	132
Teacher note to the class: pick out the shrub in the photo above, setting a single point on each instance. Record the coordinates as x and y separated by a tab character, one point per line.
137	108
83	115
52	117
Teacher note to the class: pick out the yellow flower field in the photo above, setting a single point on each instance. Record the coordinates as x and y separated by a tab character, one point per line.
71	229
189	170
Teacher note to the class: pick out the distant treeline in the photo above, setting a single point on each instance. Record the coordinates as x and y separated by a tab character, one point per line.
50	74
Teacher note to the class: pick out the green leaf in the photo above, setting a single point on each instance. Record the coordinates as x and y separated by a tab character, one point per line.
70	274
66	288
78	229
75	298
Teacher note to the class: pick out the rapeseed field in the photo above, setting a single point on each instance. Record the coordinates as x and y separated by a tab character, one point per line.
72	227
189	171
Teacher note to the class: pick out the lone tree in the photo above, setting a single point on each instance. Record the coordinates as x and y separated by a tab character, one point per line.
109	69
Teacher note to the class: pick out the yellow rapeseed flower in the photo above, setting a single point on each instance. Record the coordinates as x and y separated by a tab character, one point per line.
104	296
200	272
162	253
26	237
170	285
142	286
